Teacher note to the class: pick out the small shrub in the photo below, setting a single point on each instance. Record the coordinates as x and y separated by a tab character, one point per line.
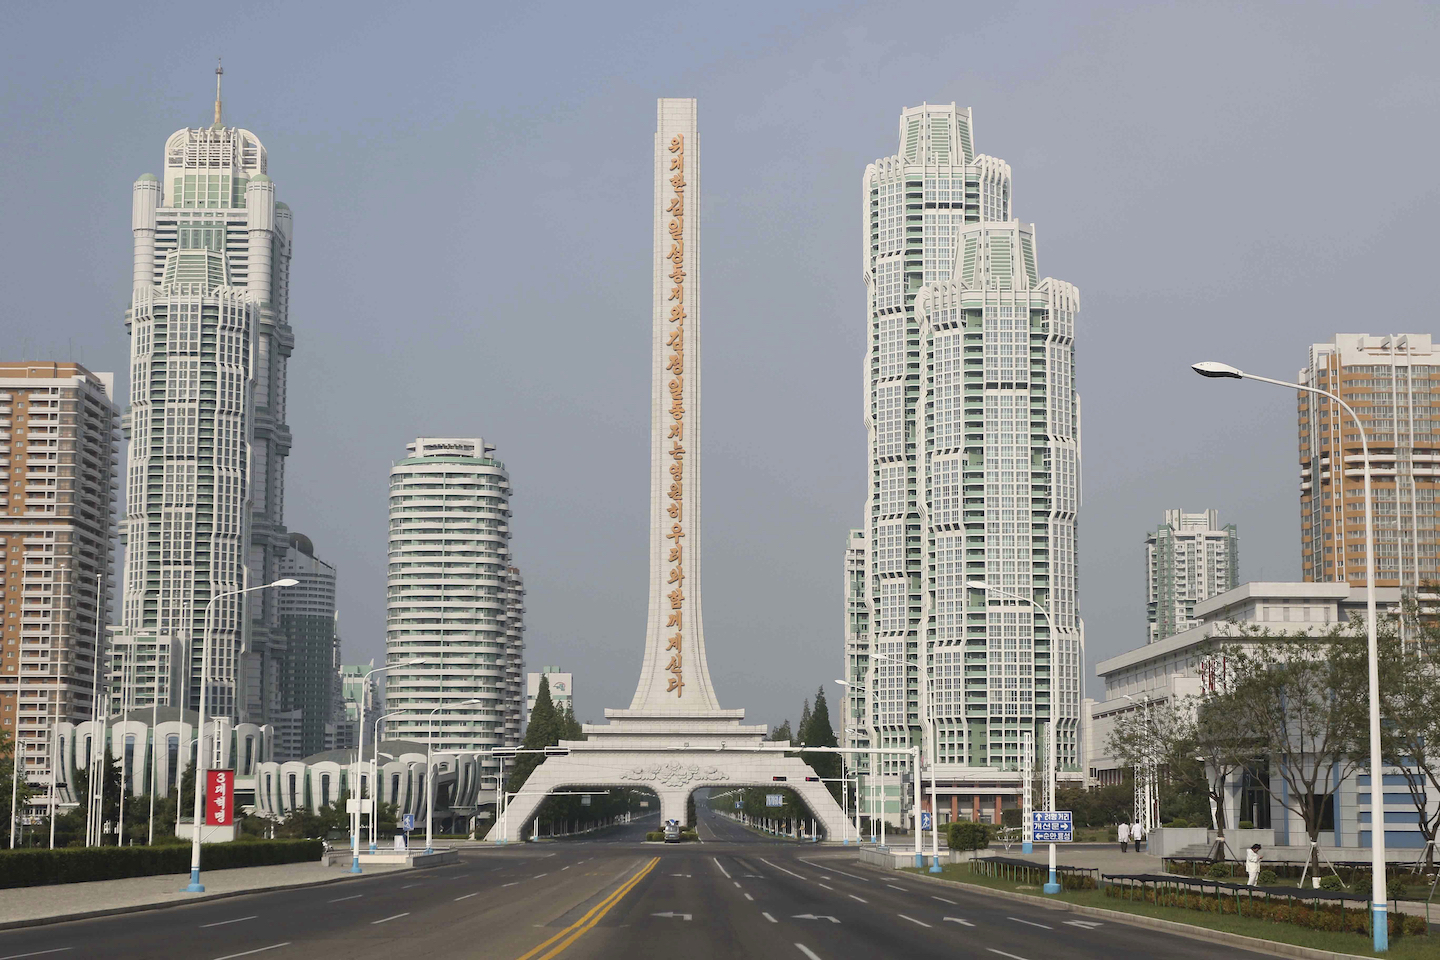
1246	825
966	835
1218	871
1178	823
655	835
1267	878
1331	882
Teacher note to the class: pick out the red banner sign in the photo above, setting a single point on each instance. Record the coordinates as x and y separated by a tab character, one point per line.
219	798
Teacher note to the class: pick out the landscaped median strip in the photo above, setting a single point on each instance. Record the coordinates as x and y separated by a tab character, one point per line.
558	943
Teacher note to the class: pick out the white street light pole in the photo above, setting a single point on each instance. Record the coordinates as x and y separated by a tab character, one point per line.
1378	902
1052	886
359	786
1148	796
430	769
375	774
194	886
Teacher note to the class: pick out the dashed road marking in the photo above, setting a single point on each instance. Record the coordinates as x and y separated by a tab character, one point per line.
861	899
221	923
232	956
893	887
912	919
353	896
807	951
1004	954
468	896
1031	923
388	919
958	920
942	900
852	876
750	898
37	953
722	867
768	917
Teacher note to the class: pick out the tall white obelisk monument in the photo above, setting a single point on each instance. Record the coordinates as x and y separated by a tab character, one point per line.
674	737
673	676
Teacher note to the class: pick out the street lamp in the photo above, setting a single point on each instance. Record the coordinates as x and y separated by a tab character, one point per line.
1378	905
375	774
195	886
360	752
430	769
1053	886
876	774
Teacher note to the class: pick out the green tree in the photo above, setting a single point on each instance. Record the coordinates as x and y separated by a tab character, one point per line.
782	733
7	778
1410	701
1303	700
819	733
543	731
804	724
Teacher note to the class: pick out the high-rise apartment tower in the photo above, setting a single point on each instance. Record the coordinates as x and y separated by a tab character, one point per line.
1393	384
209	342
1188	558
308	619
974	476
454	599
59	454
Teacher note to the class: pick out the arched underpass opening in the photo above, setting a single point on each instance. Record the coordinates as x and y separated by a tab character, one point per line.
580	810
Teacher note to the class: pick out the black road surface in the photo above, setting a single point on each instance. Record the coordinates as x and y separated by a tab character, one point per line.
733	895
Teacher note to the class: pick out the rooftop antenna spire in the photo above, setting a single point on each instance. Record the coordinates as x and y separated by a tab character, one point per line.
219	72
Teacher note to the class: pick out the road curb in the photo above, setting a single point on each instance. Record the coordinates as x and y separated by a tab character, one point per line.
1191	931
162	904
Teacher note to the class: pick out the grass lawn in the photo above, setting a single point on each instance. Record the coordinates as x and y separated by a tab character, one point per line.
1401	948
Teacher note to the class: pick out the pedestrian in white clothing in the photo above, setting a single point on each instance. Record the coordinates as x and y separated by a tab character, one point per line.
1137	833
1124	834
1252	864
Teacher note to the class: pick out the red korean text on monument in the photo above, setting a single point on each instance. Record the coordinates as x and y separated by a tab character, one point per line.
219	798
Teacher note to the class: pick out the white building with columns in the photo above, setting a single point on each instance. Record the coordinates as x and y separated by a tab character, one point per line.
973	432
204	492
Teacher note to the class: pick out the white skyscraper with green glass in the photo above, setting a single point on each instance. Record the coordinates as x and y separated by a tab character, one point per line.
209	342
974	462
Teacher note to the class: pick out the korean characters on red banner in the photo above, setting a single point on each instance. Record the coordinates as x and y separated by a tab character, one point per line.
219	798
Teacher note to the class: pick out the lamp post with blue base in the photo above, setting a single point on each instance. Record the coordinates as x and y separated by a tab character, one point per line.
195	886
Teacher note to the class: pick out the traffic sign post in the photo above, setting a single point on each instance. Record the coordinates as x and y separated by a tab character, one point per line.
408	823
1053	826
924	819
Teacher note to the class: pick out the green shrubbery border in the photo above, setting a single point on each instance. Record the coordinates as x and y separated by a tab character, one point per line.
34	868
1315	915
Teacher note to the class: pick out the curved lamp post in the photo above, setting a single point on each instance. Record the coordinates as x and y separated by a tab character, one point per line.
194	886
1052	886
375	773
430	769
355	818
1378	904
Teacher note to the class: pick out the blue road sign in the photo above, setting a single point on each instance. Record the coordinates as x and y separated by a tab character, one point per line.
1053	826
924	819
408	822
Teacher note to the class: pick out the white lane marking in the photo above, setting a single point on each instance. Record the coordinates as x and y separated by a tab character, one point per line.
567	867
539	875
1004	954
943	900
958	920
815	916
671	915
273	946
353	896
827	886
722	867
1085	924
388	919
807	951
852	876
221	923
861	899
409	885
783	870
750	898
912	919
893	887
469	895
460	876
510	884
37	953
768	917
736	882
1031	923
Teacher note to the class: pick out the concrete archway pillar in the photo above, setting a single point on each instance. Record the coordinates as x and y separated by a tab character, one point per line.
672	806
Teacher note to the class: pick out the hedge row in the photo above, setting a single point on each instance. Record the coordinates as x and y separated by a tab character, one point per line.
1316	916
32	868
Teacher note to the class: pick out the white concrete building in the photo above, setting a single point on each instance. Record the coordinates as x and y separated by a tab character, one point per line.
973	427
453	597
1188	558
562	690
209	342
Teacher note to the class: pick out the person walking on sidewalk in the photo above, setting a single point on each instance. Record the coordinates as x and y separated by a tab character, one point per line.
1137	833
1124	834
1252	864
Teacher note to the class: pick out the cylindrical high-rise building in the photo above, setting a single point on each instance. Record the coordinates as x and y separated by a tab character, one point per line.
454	598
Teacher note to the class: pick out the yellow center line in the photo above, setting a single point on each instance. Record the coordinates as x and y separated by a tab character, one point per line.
577	929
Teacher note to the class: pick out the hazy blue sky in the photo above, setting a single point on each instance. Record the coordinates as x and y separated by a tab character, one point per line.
471	191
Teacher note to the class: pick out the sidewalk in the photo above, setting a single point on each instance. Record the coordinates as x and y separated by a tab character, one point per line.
25	906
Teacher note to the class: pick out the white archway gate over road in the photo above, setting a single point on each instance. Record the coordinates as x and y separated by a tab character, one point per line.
674	775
